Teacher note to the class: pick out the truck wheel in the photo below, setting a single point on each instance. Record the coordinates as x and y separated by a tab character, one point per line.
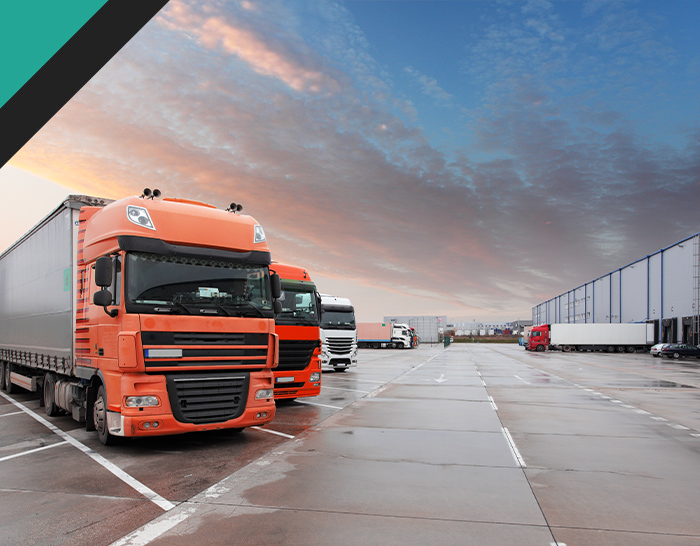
375	345
540	348
10	388
399	345
2	375
676	356
49	392
631	349
100	418
620	349
611	349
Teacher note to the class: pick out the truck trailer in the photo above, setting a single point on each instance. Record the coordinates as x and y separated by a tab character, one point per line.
298	373
384	334
142	316
612	338
338	333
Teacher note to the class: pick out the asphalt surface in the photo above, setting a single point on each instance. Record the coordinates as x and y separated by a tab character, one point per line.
474	444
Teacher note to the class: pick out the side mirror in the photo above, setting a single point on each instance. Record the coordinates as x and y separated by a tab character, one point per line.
103	272
275	286
103	298
277	307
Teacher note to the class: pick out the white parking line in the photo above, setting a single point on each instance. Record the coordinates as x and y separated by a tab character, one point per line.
317	404
270	431
513	448
521	379
342	389
13	413
99	459
31	451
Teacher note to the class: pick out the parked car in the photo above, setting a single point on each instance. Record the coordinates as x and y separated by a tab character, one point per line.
677	350
656	349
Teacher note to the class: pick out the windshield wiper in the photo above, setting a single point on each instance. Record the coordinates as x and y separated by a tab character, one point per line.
247	306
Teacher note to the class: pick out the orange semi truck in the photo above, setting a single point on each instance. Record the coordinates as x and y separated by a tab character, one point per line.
142	316
298	373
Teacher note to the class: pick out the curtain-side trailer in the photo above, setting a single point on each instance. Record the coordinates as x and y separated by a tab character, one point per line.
142	316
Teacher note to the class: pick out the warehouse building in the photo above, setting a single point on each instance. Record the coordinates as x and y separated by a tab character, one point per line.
663	288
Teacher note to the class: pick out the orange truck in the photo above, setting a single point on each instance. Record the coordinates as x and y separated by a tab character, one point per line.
298	373
142	316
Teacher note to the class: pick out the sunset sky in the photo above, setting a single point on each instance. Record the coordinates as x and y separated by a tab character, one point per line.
459	158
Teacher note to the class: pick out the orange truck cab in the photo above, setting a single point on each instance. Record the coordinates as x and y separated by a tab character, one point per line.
298	373
160	319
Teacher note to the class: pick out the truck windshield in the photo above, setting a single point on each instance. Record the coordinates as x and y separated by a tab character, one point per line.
299	304
197	286
338	320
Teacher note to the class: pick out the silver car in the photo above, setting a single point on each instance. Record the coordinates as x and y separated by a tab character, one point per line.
656	349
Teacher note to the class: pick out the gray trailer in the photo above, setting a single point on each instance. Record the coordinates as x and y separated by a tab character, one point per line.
38	298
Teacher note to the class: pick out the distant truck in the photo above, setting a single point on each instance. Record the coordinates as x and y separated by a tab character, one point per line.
384	334
338	333
620	338
298	373
142	317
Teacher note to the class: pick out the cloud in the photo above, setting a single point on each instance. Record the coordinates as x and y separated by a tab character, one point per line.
430	87
280	106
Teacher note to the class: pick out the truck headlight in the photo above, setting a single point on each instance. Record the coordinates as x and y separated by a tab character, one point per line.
314	377
263	393
141	401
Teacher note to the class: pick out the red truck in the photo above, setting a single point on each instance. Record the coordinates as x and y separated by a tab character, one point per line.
142	316
298	373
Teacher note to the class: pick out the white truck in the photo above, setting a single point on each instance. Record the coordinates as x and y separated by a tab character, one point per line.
630	337
384	334
338	333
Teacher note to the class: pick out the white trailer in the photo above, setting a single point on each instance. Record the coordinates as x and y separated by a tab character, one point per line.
602	337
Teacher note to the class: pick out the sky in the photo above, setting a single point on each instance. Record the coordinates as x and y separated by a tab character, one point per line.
461	158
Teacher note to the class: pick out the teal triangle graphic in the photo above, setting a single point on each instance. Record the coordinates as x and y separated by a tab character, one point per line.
31	32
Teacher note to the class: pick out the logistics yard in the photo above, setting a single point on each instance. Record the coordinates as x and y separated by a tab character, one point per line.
470	444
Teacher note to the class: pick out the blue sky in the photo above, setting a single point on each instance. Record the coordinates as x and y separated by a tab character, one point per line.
467	158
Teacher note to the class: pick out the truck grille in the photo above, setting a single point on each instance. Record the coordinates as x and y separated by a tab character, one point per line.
295	355
207	398
212	350
339	345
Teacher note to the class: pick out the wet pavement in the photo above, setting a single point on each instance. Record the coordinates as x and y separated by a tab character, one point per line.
474	444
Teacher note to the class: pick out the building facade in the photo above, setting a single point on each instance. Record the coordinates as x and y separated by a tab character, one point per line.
663	288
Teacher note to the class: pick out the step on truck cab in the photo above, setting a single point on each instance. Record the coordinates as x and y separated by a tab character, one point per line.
298	373
338	333
142	316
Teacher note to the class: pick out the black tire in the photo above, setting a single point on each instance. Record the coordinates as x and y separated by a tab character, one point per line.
676	356
375	345
100	418
399	345
49	395
620	349
611	349
540	348
631	349
10	388
2	376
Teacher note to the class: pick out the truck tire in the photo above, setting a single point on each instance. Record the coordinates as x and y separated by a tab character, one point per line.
676	356
2	376
100	418
540	348
49	395
399	344
10	388
611	349
631	349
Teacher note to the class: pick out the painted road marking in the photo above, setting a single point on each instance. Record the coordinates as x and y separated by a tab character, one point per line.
343	389
31	451
513	448
270	431
521	379
13	413
99	459
317	404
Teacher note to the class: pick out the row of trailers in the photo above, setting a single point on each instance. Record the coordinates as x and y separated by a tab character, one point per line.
661	289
